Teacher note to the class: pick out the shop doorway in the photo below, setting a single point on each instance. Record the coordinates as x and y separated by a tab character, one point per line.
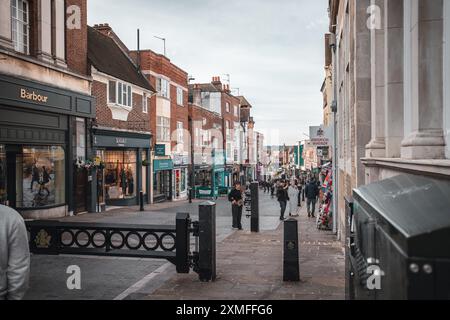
80	191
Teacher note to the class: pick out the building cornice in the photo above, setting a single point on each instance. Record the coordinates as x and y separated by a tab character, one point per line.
43	64
427	167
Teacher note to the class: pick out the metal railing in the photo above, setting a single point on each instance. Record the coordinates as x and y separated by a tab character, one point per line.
172	242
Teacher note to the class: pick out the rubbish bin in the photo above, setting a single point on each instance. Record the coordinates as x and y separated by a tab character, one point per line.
401	234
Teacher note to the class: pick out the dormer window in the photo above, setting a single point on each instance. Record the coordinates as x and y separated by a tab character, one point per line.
120	93
20	16
120	99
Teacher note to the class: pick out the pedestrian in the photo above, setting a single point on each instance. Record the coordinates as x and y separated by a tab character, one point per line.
299	192
293	199
235	197
272	189
14	255
283	198
311	193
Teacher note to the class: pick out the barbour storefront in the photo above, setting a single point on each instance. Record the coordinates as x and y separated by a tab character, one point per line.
43	132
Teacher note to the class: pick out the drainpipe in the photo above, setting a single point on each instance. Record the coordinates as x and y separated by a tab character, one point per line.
334	109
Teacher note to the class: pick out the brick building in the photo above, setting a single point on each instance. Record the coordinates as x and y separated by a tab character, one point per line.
169	120
219	105
46	108
206	140
122	132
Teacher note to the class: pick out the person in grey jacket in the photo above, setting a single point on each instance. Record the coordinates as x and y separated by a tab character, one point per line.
14	255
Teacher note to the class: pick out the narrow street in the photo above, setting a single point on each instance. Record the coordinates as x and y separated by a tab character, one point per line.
249	266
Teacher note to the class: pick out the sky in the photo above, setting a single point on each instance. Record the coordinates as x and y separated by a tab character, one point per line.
273	51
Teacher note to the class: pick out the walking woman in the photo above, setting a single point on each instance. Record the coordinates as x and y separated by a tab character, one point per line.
293	200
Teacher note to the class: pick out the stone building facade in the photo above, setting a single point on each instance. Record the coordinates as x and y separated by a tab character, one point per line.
392	60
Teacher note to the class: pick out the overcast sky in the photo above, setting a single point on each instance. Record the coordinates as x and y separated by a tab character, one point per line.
272	50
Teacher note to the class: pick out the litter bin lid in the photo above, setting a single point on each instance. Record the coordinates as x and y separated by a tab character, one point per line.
415	209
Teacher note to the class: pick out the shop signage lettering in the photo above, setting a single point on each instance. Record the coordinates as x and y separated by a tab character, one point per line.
33	96
121	141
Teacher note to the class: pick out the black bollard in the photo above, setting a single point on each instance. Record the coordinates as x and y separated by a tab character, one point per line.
141	200
291	266
207	241
254	219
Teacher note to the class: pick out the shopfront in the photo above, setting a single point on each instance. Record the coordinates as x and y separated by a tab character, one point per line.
203	181
162	180
38	147
180	177
123	170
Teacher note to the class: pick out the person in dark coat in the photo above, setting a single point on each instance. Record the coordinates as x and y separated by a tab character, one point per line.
300	192
283	198
311	193
235	197
272	189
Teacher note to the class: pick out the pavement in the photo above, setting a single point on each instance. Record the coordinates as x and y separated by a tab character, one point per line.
249	265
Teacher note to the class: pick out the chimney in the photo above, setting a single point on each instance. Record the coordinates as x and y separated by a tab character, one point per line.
197	95
103	28
216	81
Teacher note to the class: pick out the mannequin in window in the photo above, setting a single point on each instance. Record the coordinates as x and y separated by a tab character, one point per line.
130	181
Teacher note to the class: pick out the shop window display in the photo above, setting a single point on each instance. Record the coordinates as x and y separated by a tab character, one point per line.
120	174
40	178
183	180
3	190
203	178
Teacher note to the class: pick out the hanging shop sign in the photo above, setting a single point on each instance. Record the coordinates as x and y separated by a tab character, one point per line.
160	150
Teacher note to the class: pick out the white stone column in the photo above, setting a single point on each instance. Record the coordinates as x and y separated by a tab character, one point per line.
447	77
5	24
423	108
394	131
377	147
60	37
44	21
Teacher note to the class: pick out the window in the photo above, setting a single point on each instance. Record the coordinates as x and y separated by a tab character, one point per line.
180	97
144	103
180	137
163	87
120	174
81	138
236	111
227	130
20	25
119	93
163	129
112	92
227	107
40	177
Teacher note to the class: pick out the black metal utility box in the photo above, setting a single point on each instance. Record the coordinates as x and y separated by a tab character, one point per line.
399	227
